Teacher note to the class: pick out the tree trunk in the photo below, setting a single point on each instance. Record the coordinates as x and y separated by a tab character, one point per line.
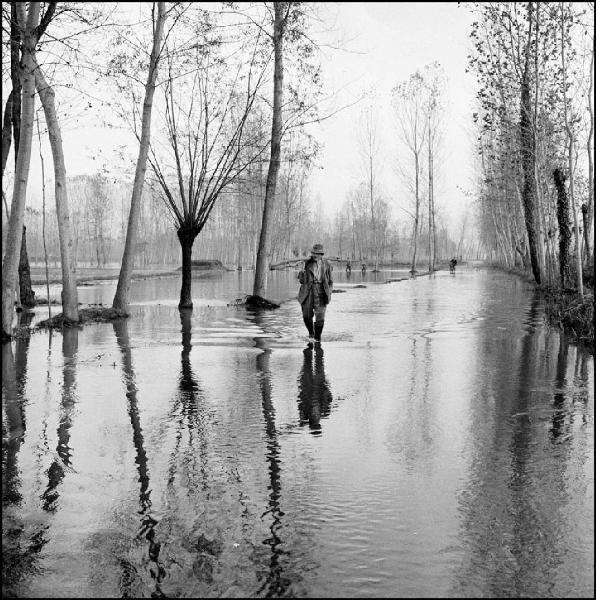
528	190
187	236
122	295
564	226
589	216
415	240
262	266
26	292
430	199
70	307
372	206
17	16
6	131
43	220
578	253
17	212
528	158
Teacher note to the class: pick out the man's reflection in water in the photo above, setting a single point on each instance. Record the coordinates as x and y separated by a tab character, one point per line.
314	396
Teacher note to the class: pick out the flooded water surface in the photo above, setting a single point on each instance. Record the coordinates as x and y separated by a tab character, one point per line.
439	442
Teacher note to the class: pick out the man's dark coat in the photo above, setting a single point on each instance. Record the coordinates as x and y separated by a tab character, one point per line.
307	277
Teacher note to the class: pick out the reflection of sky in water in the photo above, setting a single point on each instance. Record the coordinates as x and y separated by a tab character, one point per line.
441	445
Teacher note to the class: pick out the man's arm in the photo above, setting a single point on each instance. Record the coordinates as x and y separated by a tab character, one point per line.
301	273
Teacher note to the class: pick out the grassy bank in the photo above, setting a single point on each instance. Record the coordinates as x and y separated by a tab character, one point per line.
566	310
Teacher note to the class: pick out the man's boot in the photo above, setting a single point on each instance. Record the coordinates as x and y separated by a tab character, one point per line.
318	331
308	323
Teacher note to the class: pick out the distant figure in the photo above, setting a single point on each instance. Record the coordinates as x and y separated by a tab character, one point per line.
348	268
363	268
452	264
315	291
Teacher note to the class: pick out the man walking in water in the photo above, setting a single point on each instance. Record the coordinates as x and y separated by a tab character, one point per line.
315	290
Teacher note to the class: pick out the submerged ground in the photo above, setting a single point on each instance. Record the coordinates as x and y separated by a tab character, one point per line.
438	443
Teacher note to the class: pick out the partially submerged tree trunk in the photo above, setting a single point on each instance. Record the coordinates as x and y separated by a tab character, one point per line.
69	282
187	236
564	228
17	212
122	295
262	266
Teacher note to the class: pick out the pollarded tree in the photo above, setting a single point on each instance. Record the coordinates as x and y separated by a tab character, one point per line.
208	142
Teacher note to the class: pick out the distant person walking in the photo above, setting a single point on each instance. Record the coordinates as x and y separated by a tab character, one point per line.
452	264
348	268
316	286
363	268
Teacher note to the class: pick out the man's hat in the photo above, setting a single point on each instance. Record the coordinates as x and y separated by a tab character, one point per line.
317	249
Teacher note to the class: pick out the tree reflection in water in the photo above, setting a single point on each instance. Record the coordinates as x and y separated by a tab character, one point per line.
147	521
559	412
18	555
186	406
62	463
518	499
275	583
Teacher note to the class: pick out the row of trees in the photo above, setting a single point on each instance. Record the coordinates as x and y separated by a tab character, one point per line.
534	63
100	209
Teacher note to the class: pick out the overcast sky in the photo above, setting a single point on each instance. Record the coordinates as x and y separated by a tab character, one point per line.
393	40
381	43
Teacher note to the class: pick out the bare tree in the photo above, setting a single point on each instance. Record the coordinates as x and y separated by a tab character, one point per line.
281	11
434	78
571	141
409	99
122	295
15	224
69	281
369	148
209	143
